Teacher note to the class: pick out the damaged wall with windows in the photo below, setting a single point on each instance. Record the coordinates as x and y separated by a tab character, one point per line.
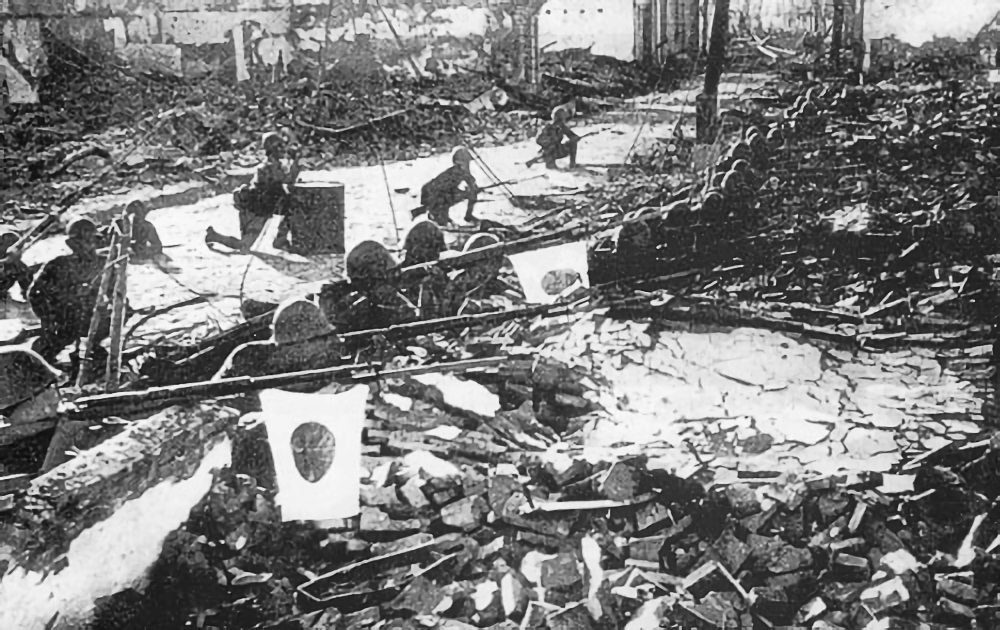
913	22
197	37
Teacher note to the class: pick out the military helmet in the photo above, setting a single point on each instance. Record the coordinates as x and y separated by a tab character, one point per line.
81	228
461	155
135	208
423	243
479	241
369	259
271	140
7	239
298	320
560	114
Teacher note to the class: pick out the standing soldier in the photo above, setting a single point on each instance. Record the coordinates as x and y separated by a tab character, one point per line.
263	197
444	191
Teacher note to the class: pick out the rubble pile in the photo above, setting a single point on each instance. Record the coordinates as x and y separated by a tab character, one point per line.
877	203
464	527
93	110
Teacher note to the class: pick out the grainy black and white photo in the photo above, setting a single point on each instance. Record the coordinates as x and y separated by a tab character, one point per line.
499	314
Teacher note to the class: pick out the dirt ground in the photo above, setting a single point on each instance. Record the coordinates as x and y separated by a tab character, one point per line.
743	399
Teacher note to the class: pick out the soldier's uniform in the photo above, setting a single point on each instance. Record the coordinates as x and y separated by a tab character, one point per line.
477	282
13	270
145	240
64	293
262	198
27	386
301	339
376	302
444	191
551	140
424	243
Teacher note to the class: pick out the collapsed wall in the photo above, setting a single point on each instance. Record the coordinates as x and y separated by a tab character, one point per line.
95	525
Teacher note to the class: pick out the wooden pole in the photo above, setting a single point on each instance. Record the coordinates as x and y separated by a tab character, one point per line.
837	36
86	347
707	104
118	305
322	50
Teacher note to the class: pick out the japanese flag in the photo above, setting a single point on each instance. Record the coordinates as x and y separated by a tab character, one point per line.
545	274
316	446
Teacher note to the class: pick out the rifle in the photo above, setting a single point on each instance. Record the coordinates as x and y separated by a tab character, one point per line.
541	156
88	409
208	359
419	210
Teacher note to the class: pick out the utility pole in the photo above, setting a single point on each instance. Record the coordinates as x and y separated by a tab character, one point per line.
707	103
837	37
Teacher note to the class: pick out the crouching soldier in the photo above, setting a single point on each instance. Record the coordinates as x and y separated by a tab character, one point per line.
477	283
444	191
301	339
424	243
145	240
64	293
557	140
374	300
265	196
12	268
28	386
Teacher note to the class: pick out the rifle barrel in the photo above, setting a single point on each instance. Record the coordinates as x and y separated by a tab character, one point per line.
107	403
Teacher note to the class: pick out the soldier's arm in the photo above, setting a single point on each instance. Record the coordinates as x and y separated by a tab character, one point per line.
470	181
293	171
155	246
569	133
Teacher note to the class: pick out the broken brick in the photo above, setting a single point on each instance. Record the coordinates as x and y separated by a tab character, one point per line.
786	559
420	597
514	595
465	514
650	515
378	496
618	483
743	500
413	493
573	617
732	551
948	607
851	568
501	488
810	611
568	471
886	595
375	520
363	618
561	571
646	549
957	590
381	549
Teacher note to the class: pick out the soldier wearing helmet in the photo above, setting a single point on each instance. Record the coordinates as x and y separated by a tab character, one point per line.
64	293
557	140
301	339
263	197
444	191
374	300
145	240
12	268
423	243
477	282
